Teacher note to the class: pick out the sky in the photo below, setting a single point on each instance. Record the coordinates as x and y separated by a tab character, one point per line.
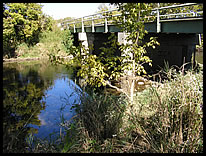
62	10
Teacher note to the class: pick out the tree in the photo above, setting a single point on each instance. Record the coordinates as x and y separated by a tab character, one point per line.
100	70
184	9
102	7
23	22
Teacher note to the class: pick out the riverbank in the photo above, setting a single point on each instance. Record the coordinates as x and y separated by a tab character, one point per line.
164	119
23	59
19	59
50	43
199	57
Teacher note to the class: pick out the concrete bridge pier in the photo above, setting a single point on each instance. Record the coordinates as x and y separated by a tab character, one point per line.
82	37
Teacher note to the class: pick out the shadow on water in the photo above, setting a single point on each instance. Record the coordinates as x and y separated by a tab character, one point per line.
34	103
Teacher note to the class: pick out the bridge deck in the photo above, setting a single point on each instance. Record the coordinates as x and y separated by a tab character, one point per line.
183	22
192	25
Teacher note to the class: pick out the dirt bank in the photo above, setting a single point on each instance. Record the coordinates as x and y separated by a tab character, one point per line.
23	59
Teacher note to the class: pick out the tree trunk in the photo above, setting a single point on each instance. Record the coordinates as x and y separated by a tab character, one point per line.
132	84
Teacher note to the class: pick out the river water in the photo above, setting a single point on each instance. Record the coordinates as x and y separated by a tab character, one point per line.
37	99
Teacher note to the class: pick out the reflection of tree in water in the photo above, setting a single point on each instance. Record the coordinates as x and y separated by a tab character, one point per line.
24	85
21	106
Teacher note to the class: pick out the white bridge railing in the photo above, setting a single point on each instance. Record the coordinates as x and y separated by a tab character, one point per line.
155	14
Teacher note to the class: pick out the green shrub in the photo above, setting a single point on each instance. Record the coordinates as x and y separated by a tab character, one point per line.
67	40
22	50
50	44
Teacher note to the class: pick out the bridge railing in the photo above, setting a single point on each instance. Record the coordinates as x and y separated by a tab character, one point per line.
157	15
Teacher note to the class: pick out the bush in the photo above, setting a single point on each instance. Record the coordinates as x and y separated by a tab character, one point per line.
67	40
104	111
22	50
50	44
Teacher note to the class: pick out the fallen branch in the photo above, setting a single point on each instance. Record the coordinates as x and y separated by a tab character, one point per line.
118	89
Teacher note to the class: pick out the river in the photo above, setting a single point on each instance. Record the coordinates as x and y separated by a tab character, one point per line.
37	98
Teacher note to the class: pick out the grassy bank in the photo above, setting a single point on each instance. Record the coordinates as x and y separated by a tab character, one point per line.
165	118
50	42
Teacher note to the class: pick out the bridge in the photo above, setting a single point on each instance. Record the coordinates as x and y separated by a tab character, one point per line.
178	33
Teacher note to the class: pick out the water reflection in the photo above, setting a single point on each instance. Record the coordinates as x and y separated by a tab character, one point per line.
36	98
58	103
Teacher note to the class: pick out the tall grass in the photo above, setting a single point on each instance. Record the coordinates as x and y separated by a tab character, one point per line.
167	118
99	118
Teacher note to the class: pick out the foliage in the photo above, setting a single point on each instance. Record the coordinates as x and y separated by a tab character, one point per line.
176	122
67	40
104	110
50	43
135	49
23	22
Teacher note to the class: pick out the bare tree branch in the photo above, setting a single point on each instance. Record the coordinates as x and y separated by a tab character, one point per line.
118	89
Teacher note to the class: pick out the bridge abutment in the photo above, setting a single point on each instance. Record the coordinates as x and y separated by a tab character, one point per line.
176	49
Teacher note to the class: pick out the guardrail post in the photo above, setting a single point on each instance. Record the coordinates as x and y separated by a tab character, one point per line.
158	18
106	27
82	24
124	19
74	27
93	25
